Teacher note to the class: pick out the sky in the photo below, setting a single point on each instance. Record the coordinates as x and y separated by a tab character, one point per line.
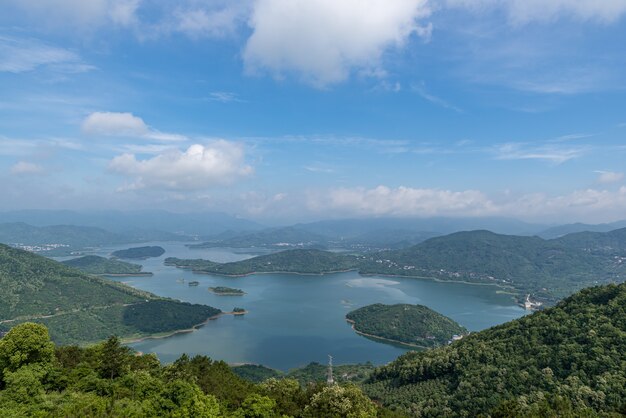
294	110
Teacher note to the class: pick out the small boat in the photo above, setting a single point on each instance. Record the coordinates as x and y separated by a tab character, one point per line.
181	280
194	283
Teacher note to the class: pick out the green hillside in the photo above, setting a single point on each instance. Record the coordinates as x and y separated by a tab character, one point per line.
612	243
409	324
547	269
570	357
81	308
94	264
296	261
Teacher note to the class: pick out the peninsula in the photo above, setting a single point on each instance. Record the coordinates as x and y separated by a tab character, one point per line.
93	264
139	252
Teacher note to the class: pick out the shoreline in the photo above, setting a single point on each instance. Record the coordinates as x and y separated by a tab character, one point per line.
259	272
142	274
364	334
133	340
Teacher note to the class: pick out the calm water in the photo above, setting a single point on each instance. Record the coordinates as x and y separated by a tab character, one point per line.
296	319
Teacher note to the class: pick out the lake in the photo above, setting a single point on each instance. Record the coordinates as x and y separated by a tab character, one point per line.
295	319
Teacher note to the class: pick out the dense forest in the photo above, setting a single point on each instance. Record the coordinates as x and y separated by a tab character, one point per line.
81	308
290	261
410	324
94	264
284	237
570	358
226	291
139	252
38	378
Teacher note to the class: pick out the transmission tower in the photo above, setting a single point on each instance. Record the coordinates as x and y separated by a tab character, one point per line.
330	380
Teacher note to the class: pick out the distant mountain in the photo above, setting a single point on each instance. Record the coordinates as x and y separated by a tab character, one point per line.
564	361
62	239
612	243
561	230
284	237
290	261
352	228
94	264
80	308
547	269
191	224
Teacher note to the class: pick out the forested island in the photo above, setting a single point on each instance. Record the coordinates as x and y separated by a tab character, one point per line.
568	360
226	291
415	325
94	264
290	261
82	308
139	252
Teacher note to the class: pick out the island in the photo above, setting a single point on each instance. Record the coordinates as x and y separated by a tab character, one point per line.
414	325
298	261
239	311
139	252
226	291
102	266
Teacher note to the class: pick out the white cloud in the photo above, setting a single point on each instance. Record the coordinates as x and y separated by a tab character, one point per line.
421	91
204	20
521	12
26	168
199	167
83	14
607	177
405	201
599	205
124	124
552	152
324	40
22	55
224	97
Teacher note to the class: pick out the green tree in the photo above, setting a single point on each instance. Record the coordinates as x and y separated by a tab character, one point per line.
340	401
113	358
25	344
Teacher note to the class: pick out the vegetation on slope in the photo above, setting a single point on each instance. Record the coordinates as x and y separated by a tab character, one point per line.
571	357
290	261
94	264
139	252
109	379
409	324
80	308
547	269
269	238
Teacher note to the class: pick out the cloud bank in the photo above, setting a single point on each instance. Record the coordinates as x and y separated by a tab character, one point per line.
124	124
199	167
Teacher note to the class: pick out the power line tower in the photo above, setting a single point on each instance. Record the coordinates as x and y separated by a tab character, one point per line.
330	380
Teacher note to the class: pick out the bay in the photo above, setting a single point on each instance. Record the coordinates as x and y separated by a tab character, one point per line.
295	319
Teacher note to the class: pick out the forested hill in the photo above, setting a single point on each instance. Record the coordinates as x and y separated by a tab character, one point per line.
612	243
548	269
290	261
271	238
80	308
404	323
571	357
94	264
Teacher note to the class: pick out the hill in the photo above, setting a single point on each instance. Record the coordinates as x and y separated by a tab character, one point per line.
612	243
269	238
547	269
289	261
94	264
562	230
572	355
415	325
80	308
139	252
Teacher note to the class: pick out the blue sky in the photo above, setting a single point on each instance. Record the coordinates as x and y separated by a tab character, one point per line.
289	110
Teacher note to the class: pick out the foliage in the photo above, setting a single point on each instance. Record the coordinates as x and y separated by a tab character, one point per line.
255	373
343	373
269	238
80	308
290	261
575	351
139	252
411	324
109	380
94	264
